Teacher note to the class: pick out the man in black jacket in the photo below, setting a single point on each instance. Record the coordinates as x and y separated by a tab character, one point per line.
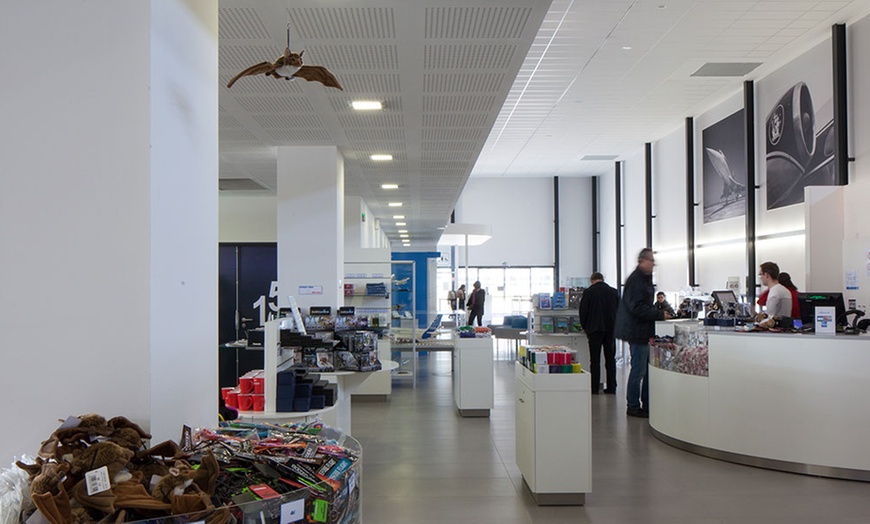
635	323
475	304
597	316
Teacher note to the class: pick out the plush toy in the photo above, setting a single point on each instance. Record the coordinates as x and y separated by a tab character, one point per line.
289	66
108	454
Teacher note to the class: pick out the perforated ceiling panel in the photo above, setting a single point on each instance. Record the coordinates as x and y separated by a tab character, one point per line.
476	22
343	23
521	88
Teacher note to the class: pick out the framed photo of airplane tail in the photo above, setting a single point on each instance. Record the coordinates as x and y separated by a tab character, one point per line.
724	151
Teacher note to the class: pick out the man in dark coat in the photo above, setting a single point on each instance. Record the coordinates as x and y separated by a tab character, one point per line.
475	304
597	316
635	323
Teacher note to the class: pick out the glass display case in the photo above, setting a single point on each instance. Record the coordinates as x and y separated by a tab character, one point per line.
686	352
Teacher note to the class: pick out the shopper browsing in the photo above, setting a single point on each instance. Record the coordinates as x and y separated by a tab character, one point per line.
475	304
597	316
451	300
460	298
635	323
778	296
662	304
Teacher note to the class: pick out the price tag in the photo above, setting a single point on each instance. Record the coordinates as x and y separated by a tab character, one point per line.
98	480
321	510
351	481
293	511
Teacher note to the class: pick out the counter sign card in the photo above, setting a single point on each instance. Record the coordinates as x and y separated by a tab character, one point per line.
825	316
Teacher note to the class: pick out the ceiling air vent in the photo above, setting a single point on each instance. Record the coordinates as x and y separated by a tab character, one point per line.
600	157
240	184
726	69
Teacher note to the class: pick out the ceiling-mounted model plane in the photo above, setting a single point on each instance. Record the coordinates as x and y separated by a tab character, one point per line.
289	66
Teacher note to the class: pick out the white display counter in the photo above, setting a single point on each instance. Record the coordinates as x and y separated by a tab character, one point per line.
554	435
473	380
782	401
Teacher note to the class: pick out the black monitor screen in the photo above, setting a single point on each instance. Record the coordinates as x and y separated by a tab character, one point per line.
726	300
809	301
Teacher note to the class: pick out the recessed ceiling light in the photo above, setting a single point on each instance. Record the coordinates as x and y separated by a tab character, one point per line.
403	231
389	186
401	223
403	235
381	158
399	217
626	48
366	105
395	204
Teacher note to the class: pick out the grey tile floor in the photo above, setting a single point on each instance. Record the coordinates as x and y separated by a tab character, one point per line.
423	463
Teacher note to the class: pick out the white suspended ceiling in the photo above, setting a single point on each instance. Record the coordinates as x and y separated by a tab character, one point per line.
510	88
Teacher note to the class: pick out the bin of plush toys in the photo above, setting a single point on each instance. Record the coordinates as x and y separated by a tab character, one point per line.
96	470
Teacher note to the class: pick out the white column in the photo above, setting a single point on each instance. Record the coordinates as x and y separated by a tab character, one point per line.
184	215
310	225
98	231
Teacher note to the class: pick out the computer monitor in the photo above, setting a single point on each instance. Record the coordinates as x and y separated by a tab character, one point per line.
726	300
810	300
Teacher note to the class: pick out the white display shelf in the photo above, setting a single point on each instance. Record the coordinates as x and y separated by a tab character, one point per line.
280	417
554	435
473	376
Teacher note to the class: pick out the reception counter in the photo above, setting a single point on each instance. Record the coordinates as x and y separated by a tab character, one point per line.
790	402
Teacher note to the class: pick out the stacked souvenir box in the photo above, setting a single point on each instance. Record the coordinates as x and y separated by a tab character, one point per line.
550	359
300	391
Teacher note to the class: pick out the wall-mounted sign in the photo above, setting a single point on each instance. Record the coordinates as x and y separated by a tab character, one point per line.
310	290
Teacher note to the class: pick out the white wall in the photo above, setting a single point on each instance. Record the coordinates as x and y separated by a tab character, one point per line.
607	229
575	207
721	246
634	210
520	212
858	42
184	215
76	224
359	234
248	218
669	208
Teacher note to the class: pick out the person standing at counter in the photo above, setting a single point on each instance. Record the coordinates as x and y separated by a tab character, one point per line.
597	316
475	304
778	296
662	303
635	323
460	298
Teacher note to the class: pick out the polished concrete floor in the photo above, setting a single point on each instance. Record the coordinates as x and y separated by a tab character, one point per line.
423	463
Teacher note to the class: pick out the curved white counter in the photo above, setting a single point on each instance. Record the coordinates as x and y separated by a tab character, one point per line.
782	401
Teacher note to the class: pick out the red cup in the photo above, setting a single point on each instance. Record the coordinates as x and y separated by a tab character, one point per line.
246	402
225	392
246	384
551	357
259	385
232	399
259	402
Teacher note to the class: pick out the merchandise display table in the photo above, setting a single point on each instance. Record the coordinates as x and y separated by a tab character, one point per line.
473	376
554	435
781	401
512	335
348	382
337	416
